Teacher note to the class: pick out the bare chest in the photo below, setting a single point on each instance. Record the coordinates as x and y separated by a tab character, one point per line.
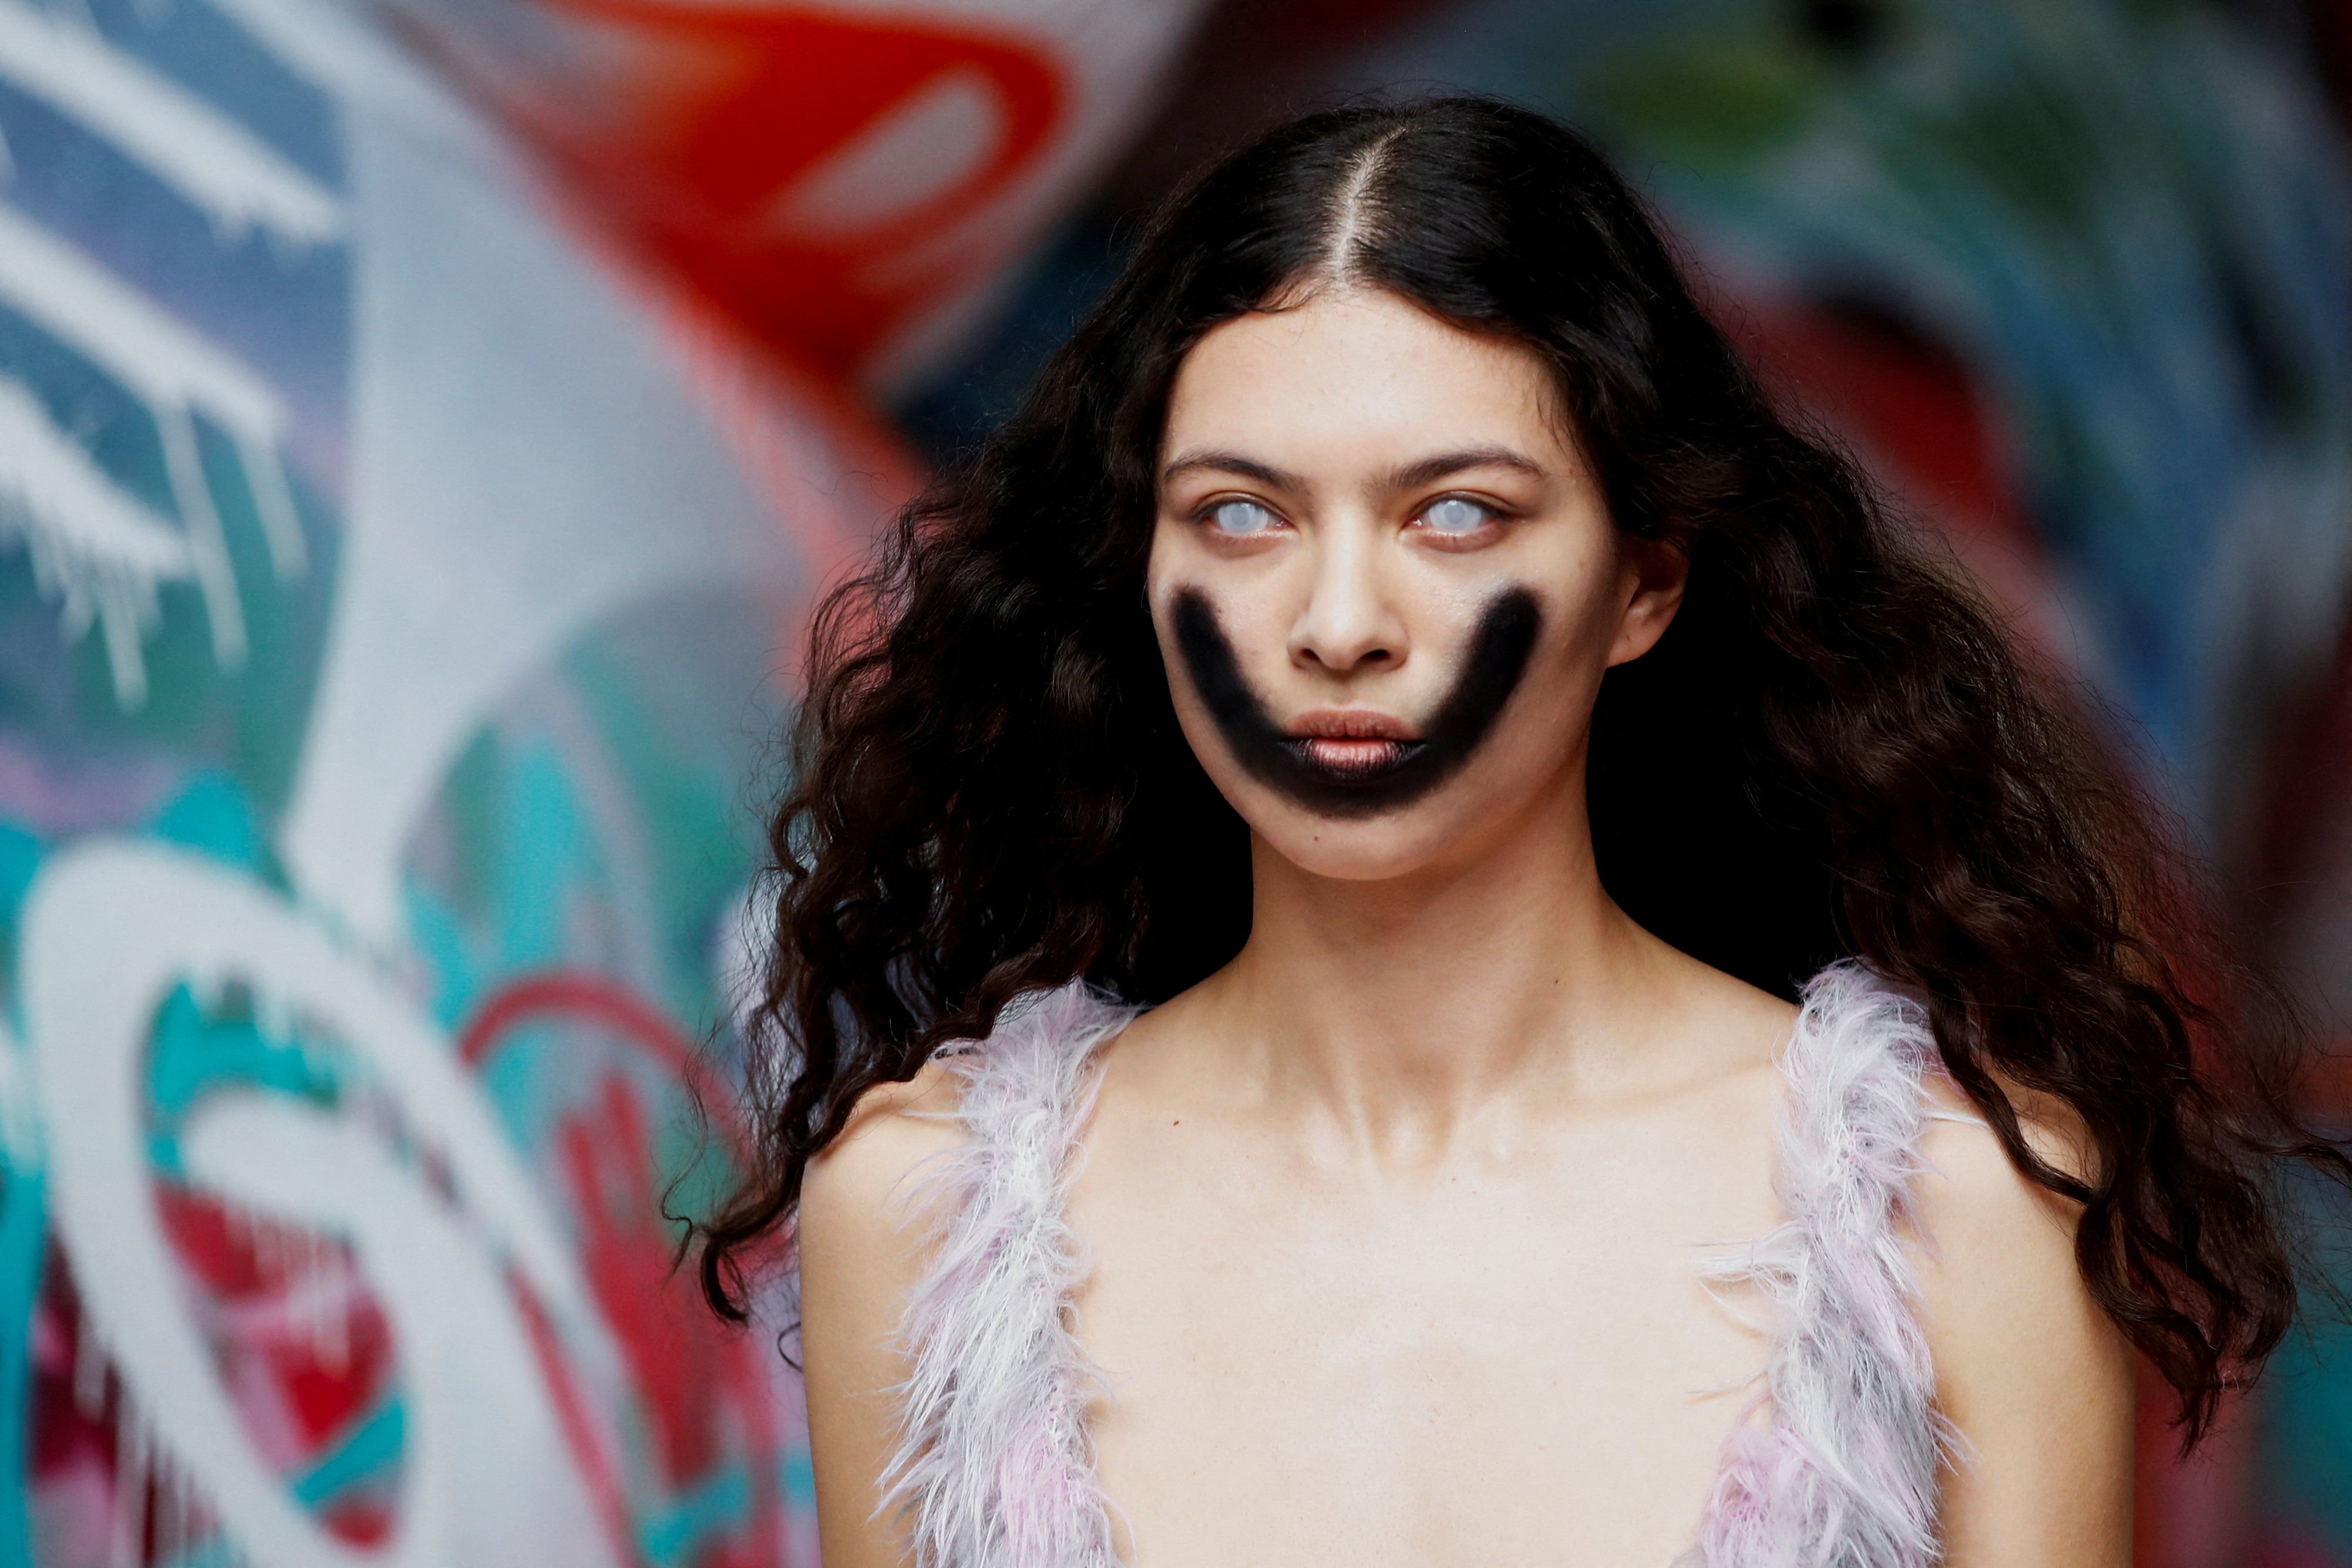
1511	1361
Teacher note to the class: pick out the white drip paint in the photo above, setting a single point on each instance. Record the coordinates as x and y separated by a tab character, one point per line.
127	334
91	545
331	1316
130	1453
214	164
323	1298
273	502
177	375
207	542
89	1370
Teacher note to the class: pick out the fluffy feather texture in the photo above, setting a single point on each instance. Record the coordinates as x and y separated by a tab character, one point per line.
1834	1464
1833	1467
993	1467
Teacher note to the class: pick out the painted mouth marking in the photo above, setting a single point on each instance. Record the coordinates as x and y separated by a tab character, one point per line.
1362	775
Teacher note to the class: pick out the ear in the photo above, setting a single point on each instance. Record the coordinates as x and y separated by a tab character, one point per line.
1656	572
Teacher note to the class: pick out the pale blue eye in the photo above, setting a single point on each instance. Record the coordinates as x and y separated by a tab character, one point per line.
1240	517
1455	515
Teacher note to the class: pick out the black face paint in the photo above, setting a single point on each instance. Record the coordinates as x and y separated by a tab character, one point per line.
1499	657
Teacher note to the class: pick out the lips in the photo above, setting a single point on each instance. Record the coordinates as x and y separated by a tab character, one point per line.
1346	743
1353	759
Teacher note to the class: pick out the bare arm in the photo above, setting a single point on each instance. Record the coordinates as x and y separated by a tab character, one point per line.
863	1247
2037	1378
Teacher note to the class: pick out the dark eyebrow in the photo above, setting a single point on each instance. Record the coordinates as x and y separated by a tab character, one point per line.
1231	463
1428	470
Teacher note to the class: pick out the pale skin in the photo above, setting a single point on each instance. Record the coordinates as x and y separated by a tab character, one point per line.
1395	1219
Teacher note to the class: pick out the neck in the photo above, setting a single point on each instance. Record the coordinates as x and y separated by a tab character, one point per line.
1404	1006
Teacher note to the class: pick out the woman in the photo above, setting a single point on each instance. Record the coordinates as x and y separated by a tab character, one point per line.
1660	1044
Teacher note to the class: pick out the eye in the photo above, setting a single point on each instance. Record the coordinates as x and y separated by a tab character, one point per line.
1455	515
1240	519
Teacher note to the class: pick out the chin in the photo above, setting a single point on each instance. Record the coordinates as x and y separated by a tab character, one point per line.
1359	850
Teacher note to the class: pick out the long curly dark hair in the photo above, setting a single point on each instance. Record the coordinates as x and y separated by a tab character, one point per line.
1832	751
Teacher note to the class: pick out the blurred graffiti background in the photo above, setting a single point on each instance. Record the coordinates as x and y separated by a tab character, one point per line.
424	422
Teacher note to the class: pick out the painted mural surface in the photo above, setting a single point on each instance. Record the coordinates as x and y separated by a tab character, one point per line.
422	423
405	498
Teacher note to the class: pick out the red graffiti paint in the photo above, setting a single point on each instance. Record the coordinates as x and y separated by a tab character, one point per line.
703	137
703	1387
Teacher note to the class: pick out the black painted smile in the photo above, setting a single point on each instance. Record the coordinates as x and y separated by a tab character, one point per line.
1366	775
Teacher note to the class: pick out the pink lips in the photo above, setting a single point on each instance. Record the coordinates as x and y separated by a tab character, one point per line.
1351	741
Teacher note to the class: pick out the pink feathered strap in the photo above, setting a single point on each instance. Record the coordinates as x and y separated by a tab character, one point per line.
993	1468
1835	1464
1834	1467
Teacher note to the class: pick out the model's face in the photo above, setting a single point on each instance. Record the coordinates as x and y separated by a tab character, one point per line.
1385	583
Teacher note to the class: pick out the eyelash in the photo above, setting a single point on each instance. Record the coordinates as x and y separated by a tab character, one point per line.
1493	515
1205	516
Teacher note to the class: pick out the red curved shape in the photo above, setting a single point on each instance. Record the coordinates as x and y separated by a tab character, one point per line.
602	1151
592	997
700	118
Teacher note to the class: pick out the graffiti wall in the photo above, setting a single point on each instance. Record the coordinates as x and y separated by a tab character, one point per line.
411	469
424	423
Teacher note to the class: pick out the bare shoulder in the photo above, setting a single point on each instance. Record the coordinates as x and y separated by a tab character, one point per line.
2036	1378
861	1198
1738	1026
866	1235
1991	1229
1755	1013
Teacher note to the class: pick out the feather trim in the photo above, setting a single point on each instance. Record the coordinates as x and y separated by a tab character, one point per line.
993	1468
1834	1463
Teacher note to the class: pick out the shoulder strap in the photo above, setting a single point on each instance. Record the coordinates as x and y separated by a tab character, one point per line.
1835	1465
993	1468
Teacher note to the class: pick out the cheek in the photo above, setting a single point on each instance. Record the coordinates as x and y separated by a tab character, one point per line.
1584	600
1554	713
1249	616
1157	566
1594	607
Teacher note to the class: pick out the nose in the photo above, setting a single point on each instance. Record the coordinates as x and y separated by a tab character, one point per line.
1348	620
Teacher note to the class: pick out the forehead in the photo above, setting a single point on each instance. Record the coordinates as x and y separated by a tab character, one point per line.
1359	376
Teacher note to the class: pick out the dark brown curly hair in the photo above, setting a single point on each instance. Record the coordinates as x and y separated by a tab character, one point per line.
1832	751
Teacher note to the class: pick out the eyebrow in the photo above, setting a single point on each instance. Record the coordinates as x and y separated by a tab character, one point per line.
1222	462
1429	469
1409	476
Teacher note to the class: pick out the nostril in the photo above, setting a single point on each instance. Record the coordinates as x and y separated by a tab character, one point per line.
1356	661
1346	659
